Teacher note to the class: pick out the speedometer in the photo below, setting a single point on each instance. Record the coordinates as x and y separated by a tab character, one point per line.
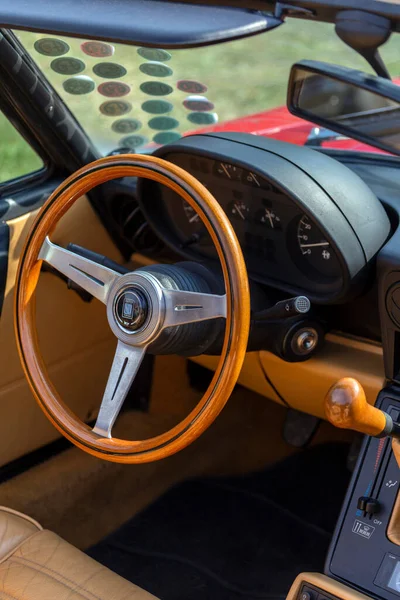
316	252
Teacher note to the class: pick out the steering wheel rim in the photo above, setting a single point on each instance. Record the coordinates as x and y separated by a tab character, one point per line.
237	308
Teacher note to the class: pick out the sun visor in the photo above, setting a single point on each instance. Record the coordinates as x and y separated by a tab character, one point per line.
157	23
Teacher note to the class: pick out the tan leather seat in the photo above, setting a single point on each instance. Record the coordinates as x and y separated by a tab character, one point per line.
36	564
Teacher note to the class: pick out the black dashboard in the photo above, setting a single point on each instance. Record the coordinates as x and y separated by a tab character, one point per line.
305	222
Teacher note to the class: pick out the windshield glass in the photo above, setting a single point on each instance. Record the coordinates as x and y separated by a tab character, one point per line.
138	98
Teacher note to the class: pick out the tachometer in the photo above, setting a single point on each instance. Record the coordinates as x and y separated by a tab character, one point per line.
316	251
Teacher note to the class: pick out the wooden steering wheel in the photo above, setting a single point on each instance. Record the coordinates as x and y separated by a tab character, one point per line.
138	307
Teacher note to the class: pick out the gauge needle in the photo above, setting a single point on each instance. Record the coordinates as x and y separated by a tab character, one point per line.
254	178
240	212
226	171
314	245
269	217
194	218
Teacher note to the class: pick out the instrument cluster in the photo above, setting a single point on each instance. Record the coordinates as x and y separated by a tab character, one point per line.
273	233
292	210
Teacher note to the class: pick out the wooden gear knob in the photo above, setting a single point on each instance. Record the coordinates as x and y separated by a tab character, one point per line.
346	407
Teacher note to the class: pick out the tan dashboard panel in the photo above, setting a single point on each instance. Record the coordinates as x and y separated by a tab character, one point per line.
303	385
76	341
325	584
251	375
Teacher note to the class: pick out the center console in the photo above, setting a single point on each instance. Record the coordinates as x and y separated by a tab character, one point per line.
365	550
364	557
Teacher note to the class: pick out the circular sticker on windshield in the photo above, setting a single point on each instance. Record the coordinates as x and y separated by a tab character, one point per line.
109	70
154	54
202	118
79	85
198	104
113	89
163	123
166	137
97	49
156	88
126	125
157	107
51	47
115	108
155	69
67	65
191	87
134	141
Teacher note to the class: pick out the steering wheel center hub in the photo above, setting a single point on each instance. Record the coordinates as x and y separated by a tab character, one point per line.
131	309
135	308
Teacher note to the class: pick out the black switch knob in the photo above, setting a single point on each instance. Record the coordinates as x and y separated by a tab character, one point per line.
368	505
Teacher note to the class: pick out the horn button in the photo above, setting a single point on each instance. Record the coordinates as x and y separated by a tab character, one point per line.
131	309
136	308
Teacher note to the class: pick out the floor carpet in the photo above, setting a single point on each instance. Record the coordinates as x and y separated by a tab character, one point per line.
234	538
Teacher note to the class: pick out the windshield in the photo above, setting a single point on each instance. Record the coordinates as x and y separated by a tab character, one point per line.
138	98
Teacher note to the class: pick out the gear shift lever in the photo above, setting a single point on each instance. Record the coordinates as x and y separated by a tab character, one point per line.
346	407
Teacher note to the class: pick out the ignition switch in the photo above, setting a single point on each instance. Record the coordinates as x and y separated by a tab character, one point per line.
304	341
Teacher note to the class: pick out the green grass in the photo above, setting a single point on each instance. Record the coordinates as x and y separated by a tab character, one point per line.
16	156
243	77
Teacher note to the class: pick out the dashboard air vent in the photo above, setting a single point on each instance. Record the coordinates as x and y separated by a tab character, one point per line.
132	225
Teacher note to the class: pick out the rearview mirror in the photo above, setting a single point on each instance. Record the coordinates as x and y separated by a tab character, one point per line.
352	103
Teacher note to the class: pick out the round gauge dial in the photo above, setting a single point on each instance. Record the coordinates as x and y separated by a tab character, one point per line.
316	251
228	171
192	216
269	218
239	210
193	227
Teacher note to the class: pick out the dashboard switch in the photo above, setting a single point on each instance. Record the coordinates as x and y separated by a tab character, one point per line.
369	506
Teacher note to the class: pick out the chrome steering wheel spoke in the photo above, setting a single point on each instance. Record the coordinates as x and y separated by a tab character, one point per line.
91	276
183	307
126	363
